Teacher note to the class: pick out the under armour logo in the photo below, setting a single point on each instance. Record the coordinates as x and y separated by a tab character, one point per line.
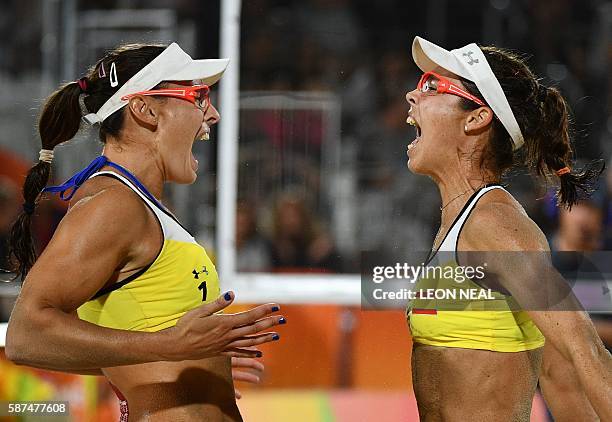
469	56
196	273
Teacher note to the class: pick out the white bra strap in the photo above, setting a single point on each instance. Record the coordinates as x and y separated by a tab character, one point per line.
450	242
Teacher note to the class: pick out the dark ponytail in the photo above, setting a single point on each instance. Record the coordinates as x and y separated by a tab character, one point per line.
544	118
59	122
549	151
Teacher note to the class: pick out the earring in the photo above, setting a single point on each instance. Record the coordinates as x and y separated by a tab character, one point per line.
465	129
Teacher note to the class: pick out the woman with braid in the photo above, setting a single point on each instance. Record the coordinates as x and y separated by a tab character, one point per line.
477	111
123	289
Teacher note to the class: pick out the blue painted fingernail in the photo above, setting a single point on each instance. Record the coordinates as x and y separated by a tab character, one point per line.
228	296
282	320
275	309
275	337
258	354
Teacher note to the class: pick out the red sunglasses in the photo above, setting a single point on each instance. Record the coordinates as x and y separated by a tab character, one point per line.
432	82
196	94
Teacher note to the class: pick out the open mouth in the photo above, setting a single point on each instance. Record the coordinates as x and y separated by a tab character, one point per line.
203	136
412	122
203	133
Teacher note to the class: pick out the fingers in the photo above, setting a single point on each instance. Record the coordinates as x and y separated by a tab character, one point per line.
257	326
254	340
252	315
236	352
247	363
222	302
245	377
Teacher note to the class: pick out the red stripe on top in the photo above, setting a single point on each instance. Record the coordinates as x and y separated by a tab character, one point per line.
118	393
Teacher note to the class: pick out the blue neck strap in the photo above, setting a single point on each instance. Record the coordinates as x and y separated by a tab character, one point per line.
69	188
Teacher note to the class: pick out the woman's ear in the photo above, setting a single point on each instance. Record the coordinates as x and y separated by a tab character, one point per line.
144	110
478	120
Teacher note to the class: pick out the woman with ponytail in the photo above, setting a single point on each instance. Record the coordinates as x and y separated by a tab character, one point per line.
477	113
123	289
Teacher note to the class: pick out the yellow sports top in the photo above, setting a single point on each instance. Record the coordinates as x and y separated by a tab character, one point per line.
181	278
477	319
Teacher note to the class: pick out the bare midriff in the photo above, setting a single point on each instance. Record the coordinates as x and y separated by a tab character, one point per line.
454	384
193	390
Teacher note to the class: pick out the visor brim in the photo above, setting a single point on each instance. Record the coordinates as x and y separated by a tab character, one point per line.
208	71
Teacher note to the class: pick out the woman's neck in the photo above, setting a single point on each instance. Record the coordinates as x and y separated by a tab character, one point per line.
456	186
142	163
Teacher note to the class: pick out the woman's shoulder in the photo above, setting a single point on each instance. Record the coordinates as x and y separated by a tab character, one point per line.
107	192
105	204
499	222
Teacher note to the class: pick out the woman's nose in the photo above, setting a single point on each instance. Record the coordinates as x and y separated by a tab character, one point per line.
412	96
211	116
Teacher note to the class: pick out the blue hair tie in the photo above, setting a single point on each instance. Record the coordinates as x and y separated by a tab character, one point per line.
75	182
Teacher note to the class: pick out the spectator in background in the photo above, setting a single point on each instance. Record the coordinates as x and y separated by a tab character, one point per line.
298	244
581	229
252	249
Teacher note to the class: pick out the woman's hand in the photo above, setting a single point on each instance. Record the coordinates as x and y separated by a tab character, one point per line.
239	374
202	332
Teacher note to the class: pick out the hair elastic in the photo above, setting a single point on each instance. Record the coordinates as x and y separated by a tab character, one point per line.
46	155
83	84
562	171
28	208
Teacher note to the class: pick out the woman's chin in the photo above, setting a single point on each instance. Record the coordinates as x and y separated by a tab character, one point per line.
419	167
413	165
191	177
185	177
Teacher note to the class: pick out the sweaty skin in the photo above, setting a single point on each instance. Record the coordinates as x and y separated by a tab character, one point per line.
162	391
479	385
182	373
454	384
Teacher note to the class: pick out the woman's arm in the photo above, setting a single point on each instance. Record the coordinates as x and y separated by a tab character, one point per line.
562	390
93	240
520	263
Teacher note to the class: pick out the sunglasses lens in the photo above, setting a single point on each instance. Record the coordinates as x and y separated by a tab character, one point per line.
430	84
202	97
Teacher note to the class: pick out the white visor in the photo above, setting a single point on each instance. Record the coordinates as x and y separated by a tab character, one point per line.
470	63
173	64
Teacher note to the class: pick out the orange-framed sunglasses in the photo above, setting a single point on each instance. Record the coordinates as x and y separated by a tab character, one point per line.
195	94
432	82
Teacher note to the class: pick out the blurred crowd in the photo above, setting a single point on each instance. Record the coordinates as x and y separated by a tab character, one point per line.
360	54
